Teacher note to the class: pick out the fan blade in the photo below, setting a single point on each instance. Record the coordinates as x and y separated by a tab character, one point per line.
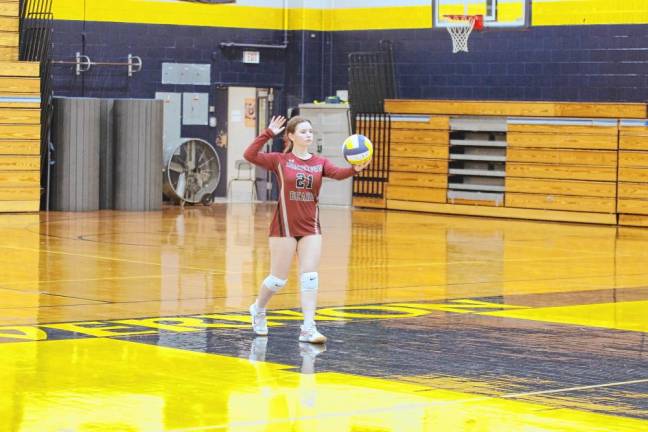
202	155
177	167
180	186
206	162
191	157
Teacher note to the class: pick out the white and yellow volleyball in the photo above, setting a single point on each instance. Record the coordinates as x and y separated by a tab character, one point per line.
357	149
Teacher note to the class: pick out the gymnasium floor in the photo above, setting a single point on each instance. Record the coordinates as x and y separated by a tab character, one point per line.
116	321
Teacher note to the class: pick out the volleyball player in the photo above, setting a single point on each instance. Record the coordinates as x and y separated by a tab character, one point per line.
295	226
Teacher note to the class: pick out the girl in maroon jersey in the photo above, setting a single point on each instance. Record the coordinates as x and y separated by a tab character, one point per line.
295	226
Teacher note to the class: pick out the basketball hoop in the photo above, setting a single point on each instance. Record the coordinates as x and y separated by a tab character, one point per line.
460	27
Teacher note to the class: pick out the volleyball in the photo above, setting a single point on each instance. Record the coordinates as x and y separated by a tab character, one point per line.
357	149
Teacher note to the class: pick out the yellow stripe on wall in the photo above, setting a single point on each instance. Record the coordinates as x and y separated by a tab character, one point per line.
232	15
575	12
548	12
175	13
411	17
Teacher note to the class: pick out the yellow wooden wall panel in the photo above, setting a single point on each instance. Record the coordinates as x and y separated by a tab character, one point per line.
9	24
633	190
20	179
562	129
9	9
504	212
557	156
24	104
19	206
637	159
434	122
514	108
561	169
20	132
19	147
567	172
600	110
560	202
418	179
639	175
19	163
431	123
567	141
634	220
419	136
19	194
19	116
9	39
19	86
561	187
407	193
633	142
20	69
419	150
632	206
8	53
415	164
633	130
465	201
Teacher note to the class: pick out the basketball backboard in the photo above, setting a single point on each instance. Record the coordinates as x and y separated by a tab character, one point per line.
497	13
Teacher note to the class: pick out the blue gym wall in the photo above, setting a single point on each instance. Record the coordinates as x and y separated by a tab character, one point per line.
555	57
155	44
607	63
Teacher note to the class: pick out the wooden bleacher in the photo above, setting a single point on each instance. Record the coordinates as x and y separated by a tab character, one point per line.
633	173
9	36
20	113
578	162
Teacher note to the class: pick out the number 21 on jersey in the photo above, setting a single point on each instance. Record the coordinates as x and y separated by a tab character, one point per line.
304	181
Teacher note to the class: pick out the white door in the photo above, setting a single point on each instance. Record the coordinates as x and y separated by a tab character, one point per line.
241	130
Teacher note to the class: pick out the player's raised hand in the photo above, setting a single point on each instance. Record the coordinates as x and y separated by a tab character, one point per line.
277	124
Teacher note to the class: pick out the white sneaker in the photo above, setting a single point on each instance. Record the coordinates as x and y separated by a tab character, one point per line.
259	323
311	335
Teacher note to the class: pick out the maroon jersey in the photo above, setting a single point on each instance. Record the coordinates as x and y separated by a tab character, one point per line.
299	184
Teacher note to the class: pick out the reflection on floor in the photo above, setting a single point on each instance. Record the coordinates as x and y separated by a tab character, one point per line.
108	385
434	323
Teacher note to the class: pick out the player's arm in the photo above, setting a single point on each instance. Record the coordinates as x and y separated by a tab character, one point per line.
338	173
253	152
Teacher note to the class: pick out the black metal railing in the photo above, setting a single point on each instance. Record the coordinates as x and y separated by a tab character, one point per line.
377	127
372	79
36	26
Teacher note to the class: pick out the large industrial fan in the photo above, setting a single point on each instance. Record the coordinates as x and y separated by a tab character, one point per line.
192	172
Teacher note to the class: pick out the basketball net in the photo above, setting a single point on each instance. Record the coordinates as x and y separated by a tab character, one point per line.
460	27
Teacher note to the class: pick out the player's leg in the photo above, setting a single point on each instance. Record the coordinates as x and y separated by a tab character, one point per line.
282	251
309	250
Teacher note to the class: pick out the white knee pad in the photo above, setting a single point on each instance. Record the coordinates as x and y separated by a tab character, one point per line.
309	281
273	283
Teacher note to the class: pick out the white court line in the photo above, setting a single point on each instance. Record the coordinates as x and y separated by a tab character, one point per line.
383	410
541	392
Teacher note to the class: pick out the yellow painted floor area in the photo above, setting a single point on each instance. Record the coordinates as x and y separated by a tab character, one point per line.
109	385
631	316
128	321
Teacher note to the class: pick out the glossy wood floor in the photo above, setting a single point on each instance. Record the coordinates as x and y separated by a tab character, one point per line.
435	323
